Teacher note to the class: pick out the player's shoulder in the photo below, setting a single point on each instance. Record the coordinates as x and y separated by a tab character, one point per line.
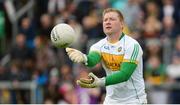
98	44
130	40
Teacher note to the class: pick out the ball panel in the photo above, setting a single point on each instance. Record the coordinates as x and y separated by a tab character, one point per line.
62	35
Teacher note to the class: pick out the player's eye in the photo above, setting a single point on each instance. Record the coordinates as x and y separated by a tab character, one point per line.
113	19
105	19
109	19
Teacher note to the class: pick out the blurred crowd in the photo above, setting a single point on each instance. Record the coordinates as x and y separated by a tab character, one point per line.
154	23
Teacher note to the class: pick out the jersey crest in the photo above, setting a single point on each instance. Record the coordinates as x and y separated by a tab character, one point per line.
111	61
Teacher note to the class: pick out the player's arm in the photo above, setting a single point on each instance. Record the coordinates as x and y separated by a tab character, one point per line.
89	60
122	75
127	68
93	58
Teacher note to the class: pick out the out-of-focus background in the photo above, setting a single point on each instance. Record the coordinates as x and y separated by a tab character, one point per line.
34	71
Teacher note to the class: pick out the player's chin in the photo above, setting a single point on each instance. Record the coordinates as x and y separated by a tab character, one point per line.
108	32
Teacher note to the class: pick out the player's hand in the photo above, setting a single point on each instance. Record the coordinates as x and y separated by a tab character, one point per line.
76	55
93	82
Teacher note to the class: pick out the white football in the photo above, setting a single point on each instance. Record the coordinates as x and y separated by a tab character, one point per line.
62	35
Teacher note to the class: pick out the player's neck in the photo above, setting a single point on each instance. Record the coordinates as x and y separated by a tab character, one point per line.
114	38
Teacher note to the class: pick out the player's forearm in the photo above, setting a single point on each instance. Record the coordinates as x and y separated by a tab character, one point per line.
123	75
93	58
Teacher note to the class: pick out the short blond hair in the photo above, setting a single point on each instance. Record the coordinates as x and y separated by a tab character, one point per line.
114	10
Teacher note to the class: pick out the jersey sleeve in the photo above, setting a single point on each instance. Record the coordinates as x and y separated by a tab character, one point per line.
133	53
95	48
94	55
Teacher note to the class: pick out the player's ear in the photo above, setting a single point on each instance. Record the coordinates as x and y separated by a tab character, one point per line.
122	25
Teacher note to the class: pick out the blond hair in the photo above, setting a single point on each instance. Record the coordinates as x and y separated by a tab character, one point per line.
114	10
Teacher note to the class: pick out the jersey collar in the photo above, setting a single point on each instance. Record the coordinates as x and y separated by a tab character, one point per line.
122	35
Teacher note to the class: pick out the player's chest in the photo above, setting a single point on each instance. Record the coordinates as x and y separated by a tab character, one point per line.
112	56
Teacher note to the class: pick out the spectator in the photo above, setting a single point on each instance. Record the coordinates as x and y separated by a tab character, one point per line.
28	30
46	26
69	94
173	71
168	9
45	56
152	27
52	4
132	12
155	74
169	29
66	74
19	50
153	48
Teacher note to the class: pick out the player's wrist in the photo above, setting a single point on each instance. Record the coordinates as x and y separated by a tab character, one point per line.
85	59
101	82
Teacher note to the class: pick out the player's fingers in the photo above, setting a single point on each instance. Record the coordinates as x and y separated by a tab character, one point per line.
92	75
81	84
84	85
78	57
69	49
74	57
69	52
84	80
71	55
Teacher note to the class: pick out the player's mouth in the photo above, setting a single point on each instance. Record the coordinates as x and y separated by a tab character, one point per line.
108	27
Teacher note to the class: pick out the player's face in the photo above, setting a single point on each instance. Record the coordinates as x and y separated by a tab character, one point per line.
111	23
